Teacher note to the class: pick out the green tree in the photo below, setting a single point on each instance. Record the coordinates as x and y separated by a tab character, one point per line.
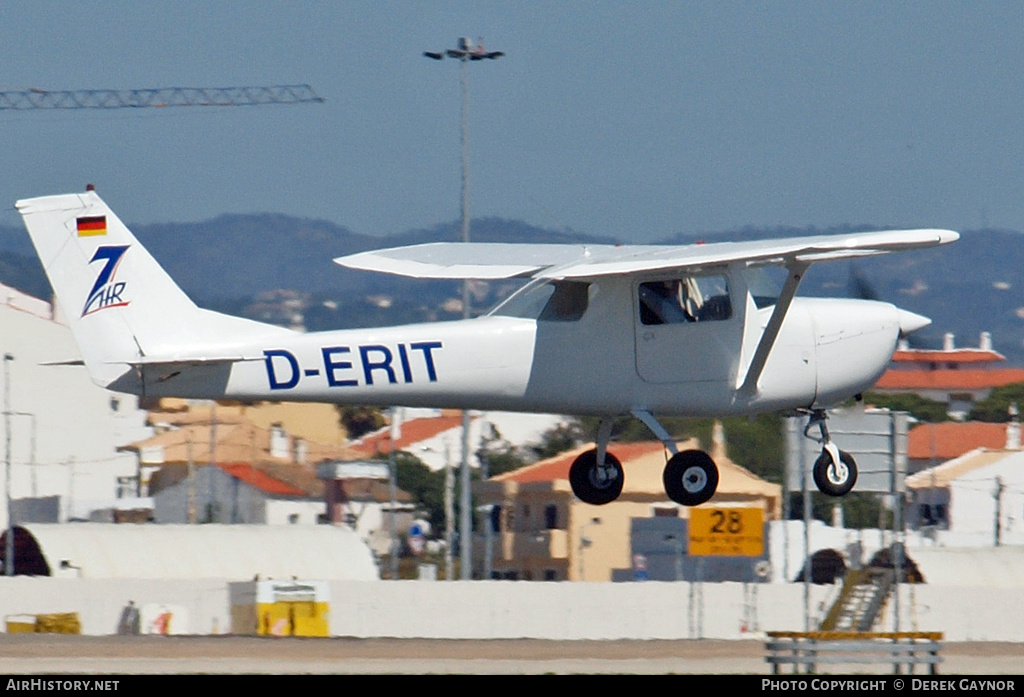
424	486
559	439
861	510
358	421
996	407
500	461
754	443
921	408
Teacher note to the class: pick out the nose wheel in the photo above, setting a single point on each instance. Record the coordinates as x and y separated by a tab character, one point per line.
835	470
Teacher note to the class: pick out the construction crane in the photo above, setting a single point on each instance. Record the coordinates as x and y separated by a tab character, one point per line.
22	100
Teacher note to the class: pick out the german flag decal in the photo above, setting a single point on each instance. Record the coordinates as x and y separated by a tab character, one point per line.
92	226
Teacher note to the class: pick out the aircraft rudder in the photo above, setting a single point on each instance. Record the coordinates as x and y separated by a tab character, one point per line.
117	299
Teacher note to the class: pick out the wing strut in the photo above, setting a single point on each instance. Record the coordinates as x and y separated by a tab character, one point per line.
771	332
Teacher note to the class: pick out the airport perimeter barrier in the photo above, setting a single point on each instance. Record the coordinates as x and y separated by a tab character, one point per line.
50	623
808	649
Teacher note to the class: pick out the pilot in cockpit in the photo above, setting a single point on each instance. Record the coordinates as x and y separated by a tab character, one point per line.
661	303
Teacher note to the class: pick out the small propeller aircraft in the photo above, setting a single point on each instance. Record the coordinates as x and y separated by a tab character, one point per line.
602	330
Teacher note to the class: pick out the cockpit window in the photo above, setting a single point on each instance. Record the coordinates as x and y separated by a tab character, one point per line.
688	299
548	301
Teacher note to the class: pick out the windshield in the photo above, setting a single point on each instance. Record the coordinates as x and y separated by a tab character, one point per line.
765	284
548	301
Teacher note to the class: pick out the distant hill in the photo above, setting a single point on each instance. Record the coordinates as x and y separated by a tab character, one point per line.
233	262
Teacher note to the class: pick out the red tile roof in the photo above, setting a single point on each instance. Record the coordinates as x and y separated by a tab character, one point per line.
950	439
412	431
954	356
944	379
261	480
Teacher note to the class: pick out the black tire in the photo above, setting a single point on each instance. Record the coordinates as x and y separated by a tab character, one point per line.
690	477
826	477
588	487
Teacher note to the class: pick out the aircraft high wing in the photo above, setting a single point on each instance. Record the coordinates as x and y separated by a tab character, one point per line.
603	330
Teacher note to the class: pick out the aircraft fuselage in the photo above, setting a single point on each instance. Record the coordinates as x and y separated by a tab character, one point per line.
606	361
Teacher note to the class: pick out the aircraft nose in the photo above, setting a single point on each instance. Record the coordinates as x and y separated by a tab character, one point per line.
911	321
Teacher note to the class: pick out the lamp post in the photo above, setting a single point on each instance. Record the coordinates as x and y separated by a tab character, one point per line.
466	51
9	547
394	434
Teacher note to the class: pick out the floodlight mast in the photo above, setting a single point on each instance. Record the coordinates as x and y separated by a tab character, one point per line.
466	51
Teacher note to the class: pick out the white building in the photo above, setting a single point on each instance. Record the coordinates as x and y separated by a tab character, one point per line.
64	430
975	500
234	552
359	496
240	494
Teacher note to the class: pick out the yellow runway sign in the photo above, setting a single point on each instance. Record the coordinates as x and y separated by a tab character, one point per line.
732	532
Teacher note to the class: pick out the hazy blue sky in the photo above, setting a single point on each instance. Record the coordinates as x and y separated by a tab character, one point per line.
629	119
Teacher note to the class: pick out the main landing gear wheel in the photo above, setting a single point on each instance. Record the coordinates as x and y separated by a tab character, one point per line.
690	477
596	485
832	478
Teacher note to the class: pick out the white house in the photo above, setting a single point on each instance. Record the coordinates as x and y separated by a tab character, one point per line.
240	493
64	430
975	500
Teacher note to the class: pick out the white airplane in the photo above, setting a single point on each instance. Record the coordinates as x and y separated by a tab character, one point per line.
691	330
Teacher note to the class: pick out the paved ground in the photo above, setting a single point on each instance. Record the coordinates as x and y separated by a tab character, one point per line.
22	654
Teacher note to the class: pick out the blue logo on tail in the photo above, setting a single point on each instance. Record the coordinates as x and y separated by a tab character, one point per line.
106	291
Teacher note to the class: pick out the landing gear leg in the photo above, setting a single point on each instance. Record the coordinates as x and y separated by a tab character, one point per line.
596	476
690	477
835	471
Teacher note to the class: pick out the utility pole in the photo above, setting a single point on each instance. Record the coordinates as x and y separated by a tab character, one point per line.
9	547
998	510
466	51
394	433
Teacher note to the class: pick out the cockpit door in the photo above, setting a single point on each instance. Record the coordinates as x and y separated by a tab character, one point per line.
689	327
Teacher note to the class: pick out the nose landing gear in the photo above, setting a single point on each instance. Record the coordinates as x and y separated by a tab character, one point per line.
835	470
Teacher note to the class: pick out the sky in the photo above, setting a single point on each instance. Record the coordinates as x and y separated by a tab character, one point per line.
628	120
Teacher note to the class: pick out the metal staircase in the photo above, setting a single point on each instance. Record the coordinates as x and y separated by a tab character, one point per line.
860	603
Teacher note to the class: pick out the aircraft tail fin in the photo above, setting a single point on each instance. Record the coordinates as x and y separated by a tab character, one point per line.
121	305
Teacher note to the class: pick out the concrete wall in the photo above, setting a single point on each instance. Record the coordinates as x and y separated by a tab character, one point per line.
508	609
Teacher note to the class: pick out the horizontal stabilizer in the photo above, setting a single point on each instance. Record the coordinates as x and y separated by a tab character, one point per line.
149	361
